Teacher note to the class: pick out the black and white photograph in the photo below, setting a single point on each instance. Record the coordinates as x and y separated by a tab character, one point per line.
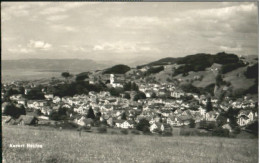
150	82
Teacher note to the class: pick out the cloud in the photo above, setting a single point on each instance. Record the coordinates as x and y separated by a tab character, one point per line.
124	47
61	7
232	49
75	48
62	28
39	45
20	49
136	21
15	10
57	17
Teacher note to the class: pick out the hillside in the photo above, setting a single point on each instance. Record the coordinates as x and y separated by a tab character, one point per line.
201	70
68	146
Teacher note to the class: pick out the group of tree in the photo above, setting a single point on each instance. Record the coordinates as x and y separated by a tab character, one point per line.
154	70
143	125
130	86
117	69
82	76
232	66
13	110
189	88
9	92
139	95
199	62
79	87
35	94
62	114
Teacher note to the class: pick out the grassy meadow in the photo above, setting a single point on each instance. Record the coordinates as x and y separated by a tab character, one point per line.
67	146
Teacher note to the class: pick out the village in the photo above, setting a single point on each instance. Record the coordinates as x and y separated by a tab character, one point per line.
179	110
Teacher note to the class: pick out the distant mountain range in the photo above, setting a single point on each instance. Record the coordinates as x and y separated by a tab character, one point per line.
52	65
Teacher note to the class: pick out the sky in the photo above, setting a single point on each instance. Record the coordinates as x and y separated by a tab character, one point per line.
127	32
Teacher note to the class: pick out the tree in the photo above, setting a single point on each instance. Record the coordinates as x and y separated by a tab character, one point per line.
192	123
143	125
81	77
127	96
37	112
35	94
253	128
130	86
219	80
123	116
54	116
66	75
91	113
11	92
14	111
139	95
153	95
209	105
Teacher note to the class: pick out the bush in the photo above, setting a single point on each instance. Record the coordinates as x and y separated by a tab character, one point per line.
114	132
143	125
207	125
220	132
167	133
253	128
136	132
102	129
192	123
146	131
124	131
188	132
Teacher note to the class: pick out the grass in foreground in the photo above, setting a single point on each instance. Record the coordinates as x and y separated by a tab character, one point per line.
68	146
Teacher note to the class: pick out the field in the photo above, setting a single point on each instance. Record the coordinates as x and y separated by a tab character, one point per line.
67	146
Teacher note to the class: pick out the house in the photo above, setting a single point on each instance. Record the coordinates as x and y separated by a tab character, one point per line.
27	90
144	69
41	103
245	117
80	121
212	116
170	120
56	100
243	120
43	117
117	80
215	68
110	121
22	101
148	93
228	127
46	110
124	124
162	92
83	121
177	94
184	119
49	96
16	97
158	126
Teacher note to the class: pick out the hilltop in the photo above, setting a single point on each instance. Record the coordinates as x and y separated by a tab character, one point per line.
117	69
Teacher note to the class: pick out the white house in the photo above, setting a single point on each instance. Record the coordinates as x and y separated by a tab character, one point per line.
124	124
